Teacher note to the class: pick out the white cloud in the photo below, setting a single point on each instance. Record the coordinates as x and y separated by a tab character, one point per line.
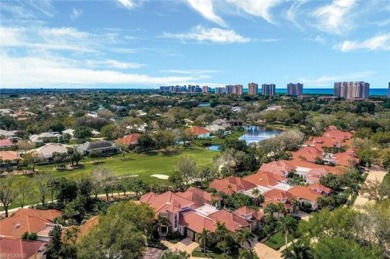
215	35
17	11
376	43
256	7
76	13
112	64
294	11
43	6
206	9
318	39
129	4
190	71
34	71
336	17
328	80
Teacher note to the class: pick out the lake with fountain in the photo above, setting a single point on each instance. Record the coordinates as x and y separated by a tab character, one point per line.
254	134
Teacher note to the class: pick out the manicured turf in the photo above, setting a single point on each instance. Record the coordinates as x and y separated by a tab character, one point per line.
142	165
277	240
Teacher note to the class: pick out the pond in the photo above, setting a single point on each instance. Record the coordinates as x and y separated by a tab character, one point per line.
214	147
255	134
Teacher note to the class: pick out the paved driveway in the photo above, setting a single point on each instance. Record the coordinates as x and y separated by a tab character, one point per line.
264	251
186	245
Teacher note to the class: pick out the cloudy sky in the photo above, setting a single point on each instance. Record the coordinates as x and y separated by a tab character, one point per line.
148	43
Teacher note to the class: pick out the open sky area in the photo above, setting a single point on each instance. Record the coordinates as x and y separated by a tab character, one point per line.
148	43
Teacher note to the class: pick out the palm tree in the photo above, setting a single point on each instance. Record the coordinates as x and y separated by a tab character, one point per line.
295	204
256	193
280	208
288	225
271	209
298	251
203	237
244	236
221	235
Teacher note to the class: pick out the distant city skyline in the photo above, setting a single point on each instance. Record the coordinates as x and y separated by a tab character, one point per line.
146	44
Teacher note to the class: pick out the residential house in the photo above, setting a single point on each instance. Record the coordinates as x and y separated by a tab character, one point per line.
255	218
49	149
200	197
320	189
308	153
7	133
9	160
278	196
40	222
7	143
129	141
281	168
45	137
306	194
267	181
17	248
69	132
198	132
103	147
231	185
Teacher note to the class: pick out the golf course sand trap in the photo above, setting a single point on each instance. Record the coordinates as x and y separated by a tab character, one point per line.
160	176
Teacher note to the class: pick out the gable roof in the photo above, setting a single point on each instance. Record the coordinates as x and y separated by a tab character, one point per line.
277	195
231	185
246	212
9	155
307	153
87	227
130	139
281	167
49	149
320	188
232	222
50	215
6	143
198	196
196	130
165	202
197	222
20	249
262	179
346	158
304	192
94	145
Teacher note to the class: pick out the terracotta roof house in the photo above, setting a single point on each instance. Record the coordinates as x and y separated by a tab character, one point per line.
28	221
305	194
200	197
129	140
277	196
6	143
302	167
193	223
50	215
103	146
314	175
21	249
168	205
281	167
346	159
198	132
231	185
320	188
308	154
85	228
254	217
9	160
232	221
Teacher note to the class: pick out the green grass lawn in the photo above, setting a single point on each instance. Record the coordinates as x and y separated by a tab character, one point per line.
277	240
141	165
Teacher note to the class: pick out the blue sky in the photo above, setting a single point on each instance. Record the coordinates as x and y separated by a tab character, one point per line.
148	43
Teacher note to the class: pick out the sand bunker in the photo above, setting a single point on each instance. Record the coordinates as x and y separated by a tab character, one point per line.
160	176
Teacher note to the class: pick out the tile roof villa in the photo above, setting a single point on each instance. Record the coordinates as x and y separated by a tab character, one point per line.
231	185
21	249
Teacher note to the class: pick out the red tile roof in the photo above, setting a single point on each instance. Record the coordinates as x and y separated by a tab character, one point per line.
319	188
277	195
197	222
131	139
346	159
281	167
6	143
196	130
231	185
87	227
20	249
304	192
50	215
247	212
165	202
9	155
307	153
232	222
262	179
198	196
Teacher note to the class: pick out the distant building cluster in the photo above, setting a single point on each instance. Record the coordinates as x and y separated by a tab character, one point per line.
268	89
351	90
234	89
182	89
253	89
294	89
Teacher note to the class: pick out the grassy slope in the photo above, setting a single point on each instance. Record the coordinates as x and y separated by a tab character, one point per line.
143	165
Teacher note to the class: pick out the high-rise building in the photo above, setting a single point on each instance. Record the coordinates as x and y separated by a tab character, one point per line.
253	88
220	90
295	89
205	89
350	90
234	89
268	89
